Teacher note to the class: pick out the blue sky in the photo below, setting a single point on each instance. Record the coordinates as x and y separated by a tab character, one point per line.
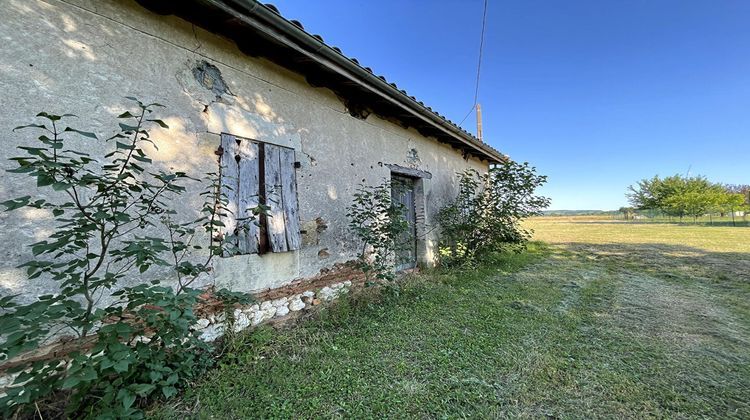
595	93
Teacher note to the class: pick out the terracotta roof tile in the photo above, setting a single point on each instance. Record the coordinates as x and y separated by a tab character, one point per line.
368	69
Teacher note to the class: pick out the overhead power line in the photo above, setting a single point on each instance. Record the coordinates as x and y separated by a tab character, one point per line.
479	63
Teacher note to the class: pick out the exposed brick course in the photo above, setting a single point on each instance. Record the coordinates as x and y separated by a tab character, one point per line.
337	273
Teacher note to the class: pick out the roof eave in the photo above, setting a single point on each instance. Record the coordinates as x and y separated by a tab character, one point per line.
275	28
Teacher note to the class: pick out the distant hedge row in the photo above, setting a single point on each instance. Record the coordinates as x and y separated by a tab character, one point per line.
681	196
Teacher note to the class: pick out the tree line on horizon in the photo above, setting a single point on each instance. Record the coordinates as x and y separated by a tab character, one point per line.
684	196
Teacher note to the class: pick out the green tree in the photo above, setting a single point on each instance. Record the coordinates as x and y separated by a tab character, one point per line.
675	195
741	189
487	213
730	202
646	194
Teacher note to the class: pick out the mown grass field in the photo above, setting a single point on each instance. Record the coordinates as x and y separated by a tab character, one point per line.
602	320
604	230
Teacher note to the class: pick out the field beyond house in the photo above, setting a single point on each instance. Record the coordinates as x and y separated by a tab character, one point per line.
600	230
599	319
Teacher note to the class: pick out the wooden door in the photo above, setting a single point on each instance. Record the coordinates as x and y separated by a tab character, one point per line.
402	192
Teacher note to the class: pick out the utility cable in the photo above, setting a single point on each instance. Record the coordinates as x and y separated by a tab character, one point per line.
479	64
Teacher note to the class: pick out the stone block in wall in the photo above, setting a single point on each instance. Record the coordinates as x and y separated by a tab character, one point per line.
296	303
212	332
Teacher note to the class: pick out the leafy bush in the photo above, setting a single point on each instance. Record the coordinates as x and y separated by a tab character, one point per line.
106	228
487	213
378	222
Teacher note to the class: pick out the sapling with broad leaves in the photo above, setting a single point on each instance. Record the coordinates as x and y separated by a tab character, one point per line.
113	218
378	223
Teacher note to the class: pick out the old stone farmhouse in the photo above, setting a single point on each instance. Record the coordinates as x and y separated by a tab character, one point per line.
238	77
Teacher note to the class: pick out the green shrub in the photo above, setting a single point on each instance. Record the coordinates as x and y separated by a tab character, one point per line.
486	215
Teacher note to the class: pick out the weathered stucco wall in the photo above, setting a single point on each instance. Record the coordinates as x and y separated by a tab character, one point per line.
84	56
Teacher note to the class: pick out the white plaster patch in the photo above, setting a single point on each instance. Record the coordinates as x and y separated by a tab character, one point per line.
252	272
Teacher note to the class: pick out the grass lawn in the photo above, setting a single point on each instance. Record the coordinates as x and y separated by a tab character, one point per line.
607	320
602	230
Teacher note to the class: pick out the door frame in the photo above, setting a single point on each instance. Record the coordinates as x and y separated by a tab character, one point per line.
413	221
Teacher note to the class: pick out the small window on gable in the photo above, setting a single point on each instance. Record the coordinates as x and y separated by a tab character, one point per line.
252	174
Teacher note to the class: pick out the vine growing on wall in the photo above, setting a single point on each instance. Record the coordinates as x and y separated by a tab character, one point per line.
112	219
378	223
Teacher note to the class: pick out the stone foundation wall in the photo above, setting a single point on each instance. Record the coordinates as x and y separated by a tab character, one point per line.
284	308
285	303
